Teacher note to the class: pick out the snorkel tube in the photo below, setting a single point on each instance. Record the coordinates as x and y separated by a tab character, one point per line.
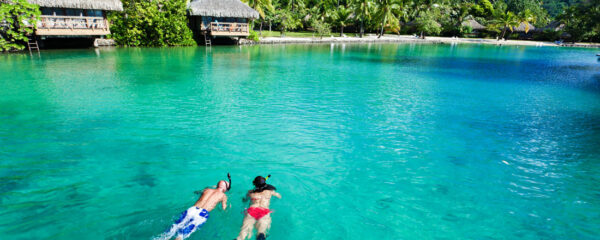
228	187
229	177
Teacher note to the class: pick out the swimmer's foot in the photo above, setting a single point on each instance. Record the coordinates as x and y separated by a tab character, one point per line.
261	236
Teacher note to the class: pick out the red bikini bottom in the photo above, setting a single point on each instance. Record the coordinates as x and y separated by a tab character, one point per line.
258	212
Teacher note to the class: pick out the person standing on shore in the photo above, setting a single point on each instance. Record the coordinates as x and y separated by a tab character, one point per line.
258	214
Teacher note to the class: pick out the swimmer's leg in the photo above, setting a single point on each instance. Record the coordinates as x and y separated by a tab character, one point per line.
179	223
247	227
262	226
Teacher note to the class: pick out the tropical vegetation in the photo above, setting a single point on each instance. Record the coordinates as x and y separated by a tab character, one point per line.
15	18
501	18
154	23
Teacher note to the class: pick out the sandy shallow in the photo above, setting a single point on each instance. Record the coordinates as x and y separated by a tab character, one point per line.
411	39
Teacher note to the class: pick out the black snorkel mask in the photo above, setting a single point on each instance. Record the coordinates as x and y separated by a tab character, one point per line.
260	184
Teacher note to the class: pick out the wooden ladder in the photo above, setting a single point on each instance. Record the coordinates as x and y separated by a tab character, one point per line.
207	40
32	44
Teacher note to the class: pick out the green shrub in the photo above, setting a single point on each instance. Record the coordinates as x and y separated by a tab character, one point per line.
152	23
321	27
253	36
14	15
426	23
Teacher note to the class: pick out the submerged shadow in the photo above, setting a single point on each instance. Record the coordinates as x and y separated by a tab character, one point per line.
525	70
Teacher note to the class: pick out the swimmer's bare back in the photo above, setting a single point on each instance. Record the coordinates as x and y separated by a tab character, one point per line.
262	199
210	198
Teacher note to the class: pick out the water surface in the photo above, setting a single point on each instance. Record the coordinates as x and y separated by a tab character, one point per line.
363	141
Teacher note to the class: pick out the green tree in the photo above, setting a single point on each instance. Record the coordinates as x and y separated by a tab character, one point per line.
287	21
322	28
427	24
152	23
362	11
504	22
16	20
455	14
527	18
386	13
534	6
582	21
263	7
342	18
483	8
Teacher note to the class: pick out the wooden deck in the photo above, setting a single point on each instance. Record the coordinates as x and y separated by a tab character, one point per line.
72	26
228	29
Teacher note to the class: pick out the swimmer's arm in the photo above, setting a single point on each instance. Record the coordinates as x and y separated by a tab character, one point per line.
224	203
276	194
247	197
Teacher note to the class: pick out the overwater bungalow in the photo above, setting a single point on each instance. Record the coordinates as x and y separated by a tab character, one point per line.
220	18
74	18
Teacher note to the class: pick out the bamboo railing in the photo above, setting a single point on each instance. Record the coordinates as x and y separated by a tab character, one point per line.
72	22
227	27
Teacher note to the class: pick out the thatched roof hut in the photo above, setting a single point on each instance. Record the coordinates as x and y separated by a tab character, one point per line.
521	28
222	8
476	26
554	26
111	5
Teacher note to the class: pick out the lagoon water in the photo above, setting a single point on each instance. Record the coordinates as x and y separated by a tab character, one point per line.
363	141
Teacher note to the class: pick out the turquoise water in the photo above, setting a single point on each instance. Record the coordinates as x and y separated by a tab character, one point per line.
363	141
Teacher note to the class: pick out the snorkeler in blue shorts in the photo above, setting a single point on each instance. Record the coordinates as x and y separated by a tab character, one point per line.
195	216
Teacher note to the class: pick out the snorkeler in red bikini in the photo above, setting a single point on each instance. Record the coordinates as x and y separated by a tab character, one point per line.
258	214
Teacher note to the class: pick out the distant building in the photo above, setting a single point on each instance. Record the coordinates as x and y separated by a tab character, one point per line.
220	18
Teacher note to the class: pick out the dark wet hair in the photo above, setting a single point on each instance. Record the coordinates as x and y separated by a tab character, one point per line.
260	184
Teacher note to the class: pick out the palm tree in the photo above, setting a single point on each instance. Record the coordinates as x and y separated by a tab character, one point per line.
362	11
526	17
261	6
342	17
295	4
507	20
386	11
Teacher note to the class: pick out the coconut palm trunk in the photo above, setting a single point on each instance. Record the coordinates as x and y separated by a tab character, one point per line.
382	26
362	28
503	32
260	29
342	31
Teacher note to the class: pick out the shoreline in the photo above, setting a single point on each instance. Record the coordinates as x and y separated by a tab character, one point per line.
370	38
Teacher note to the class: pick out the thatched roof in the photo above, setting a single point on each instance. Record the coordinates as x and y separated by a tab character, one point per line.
521	28
221	8
473	24
554	26
114	5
